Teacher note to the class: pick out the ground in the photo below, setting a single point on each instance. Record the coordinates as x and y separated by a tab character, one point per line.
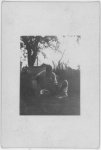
50	106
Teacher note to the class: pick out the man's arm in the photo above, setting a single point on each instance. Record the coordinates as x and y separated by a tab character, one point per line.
55	79
40	74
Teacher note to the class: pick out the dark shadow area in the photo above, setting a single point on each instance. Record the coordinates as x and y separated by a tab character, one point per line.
50	105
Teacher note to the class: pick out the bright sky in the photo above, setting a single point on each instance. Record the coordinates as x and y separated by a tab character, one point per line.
71	49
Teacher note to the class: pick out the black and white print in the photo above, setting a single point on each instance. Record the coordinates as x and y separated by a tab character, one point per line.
49	75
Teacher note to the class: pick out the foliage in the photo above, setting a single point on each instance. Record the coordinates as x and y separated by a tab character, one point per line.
35	44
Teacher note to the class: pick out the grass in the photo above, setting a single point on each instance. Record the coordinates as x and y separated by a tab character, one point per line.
50	106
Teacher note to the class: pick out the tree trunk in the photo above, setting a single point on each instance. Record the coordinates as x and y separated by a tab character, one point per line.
29	55
29	58
32	56
35	52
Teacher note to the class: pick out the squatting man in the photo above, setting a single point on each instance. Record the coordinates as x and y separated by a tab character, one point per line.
46	84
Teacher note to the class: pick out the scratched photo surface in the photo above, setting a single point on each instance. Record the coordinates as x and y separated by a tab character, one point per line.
50	75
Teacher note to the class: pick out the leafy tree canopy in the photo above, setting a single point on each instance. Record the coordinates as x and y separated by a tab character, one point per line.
35	44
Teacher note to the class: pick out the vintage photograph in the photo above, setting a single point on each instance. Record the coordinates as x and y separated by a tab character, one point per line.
49	75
